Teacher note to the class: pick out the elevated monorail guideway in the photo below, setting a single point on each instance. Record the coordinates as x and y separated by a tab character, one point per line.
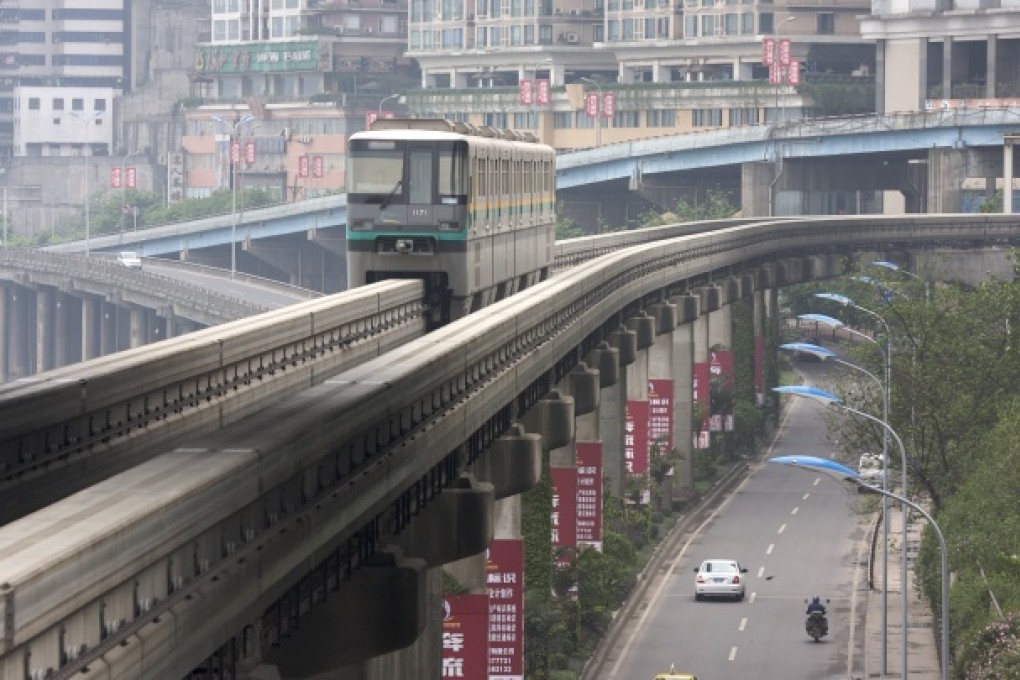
349	463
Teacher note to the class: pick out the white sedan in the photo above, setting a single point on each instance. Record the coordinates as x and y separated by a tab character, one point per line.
129	259
719	578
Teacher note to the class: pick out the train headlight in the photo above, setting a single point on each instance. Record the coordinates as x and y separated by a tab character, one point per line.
363	224
449	226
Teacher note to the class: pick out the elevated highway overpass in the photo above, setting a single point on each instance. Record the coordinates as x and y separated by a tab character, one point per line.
331	509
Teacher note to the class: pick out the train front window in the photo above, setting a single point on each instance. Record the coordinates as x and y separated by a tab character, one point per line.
376	168
453	173
419	162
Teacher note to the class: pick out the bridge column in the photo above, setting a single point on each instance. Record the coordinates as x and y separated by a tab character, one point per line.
67	329
613	412
947	169
6	329
91	323
688	310
756	180
709	303
45	312
138	326
108	328
1007	172
22	343
662	370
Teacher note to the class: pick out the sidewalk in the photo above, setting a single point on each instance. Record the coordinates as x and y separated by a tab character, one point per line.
923	632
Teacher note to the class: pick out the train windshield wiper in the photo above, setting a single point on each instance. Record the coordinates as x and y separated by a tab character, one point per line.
393	192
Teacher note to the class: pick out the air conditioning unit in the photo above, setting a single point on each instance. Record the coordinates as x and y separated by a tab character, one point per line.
571	37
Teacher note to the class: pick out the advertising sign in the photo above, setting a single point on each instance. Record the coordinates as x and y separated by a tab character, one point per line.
759	369
784	52
264	57
793	73
720	366
505	578
588	457
302	167
591	104
235	151
130	175
115	178
543	91
524	93
768	52
465	636
370	117
564	513
318	167
635	437
249	151
660	414
609	105
700	385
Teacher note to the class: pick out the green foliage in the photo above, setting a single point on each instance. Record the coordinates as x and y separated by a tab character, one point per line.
567	228
994	654
840	99
536	529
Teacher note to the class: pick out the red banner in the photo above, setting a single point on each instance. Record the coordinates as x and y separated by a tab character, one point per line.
793	73
505	578
249	152
720	366
465	643
130	176
768	52
115	178
564	514
701	399
370	117
302	167
524	94
235	151
784	52
589	494
660	414
591	104
635	437
775	74
543	91
317	167
609	105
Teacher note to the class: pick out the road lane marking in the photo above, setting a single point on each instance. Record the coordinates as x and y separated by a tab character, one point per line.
817	480
807	496
761	571
782	529
769	551
795	510
753	597
743	624
733	653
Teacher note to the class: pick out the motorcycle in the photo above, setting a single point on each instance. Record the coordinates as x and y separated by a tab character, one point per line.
817	626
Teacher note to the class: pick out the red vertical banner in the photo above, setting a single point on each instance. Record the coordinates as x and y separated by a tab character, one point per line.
317	167
130	175
700	385
588	460
370	117
505	578
775	72
564	514
235	151
635	437
543	91
793	73
465	640
388	114
784	52
524	93
660	414
249	151
759	369
115	178
609	105
768	51
591	104
720	366
302	167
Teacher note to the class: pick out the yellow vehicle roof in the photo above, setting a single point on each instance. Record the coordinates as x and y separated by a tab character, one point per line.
675	676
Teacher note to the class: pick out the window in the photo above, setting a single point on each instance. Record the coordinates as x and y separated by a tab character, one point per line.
99	105
661	118
626	119
826	23
766	22
58	104
706	117
33	103
77	104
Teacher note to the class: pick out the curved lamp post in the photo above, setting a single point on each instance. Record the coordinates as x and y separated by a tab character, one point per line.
88	121
892	266
598	110
824	354
830	399
384	100
843	473
234	127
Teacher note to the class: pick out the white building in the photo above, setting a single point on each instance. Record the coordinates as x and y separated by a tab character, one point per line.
61	121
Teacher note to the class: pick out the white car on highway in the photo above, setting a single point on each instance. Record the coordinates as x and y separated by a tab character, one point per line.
129	259
719	578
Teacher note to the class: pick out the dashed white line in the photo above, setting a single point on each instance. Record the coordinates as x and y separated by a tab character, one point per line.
807	496
743	624
817	480
761	571
795	510
781	529
733	653
752	598
769	551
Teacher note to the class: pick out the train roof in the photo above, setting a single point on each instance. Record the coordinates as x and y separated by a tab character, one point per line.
438	128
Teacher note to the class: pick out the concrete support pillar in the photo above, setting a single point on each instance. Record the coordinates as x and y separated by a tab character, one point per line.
947	169
91	325
758	329
1007	172
688	311
108	328
5	331
22	338
947	67
880	77
384	608
756	180
45	313
456	525
991	72
614	402
139	327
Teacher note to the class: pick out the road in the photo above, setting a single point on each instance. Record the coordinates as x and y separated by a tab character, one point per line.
799	535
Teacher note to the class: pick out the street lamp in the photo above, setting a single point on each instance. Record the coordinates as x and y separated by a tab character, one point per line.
830	399
534	92
896	268
843	473
234	128
598	111
780	68
123	186
384	100
88	121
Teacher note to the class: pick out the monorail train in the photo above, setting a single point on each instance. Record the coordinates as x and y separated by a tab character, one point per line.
469	210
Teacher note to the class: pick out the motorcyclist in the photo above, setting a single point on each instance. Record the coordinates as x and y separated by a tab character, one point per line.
815	606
